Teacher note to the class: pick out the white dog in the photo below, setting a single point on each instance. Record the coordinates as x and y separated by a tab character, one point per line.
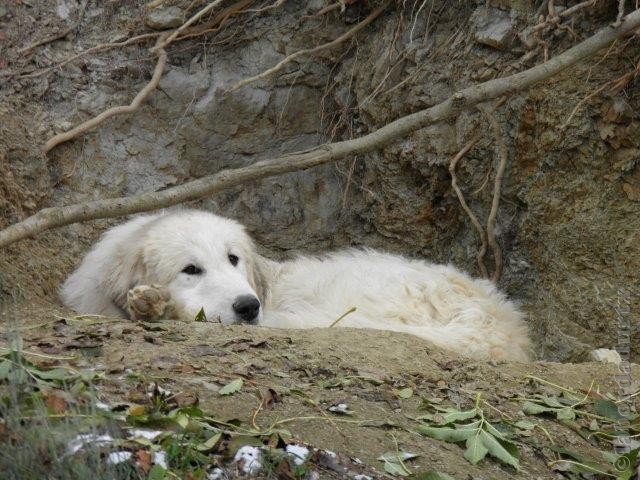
176	264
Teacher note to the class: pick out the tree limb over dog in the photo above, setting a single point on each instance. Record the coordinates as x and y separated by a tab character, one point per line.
53	217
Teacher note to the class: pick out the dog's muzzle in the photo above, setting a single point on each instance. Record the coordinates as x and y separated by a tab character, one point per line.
246	308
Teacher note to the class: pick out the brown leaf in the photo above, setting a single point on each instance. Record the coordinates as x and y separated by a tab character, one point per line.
270	398
186	399
187	369
55	403
283	471
143	460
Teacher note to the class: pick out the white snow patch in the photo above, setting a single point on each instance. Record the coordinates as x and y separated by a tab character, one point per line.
340	408
90	438
147	434
362	477
249	459
160	458
118	457
102	406
299	453
216	474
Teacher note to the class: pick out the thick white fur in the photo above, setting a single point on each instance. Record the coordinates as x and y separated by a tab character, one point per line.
435	302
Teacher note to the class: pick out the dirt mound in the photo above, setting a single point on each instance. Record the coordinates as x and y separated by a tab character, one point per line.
359	393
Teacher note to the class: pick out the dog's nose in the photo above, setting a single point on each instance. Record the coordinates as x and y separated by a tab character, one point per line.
246	307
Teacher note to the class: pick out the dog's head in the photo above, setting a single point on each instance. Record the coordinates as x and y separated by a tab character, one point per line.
206	262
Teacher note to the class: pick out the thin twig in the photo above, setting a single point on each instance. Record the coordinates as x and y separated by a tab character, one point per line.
312	51
335	322
119	110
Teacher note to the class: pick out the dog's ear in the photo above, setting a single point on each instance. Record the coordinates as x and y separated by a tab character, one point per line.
256	274
127	271
108	272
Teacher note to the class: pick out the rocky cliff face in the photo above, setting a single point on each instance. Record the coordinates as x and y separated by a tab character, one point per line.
569	217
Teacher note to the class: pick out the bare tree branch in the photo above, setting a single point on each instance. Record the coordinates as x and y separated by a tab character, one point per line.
58	216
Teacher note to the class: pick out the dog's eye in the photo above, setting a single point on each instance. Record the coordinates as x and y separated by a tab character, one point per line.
233	259
192	270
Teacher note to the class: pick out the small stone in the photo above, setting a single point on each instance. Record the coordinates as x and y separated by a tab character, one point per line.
164	18
493	27
605	355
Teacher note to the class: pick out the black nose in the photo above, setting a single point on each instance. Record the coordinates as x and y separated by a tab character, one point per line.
246	307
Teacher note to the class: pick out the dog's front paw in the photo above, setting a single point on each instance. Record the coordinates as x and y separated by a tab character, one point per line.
149	303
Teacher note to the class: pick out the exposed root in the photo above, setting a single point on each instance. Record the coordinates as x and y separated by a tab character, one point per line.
217	22
186	24
276	4
132	107
311	51
96	49
463	203
618	21
323	11
503	156
530	37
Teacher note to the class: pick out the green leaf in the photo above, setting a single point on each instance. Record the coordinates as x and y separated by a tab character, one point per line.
59	374
531	408
397	456
476	450
393	462
608	409
492	430
553	402
232	387
200	316
525	425
405	393
504	451
394	468
446	434
156	473
210	443
565	414
182	420
458	416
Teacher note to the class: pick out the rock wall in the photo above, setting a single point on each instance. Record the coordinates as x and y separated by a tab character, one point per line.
569	217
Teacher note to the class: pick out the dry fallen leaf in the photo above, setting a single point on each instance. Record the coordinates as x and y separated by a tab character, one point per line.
55	403
143	460
186	399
